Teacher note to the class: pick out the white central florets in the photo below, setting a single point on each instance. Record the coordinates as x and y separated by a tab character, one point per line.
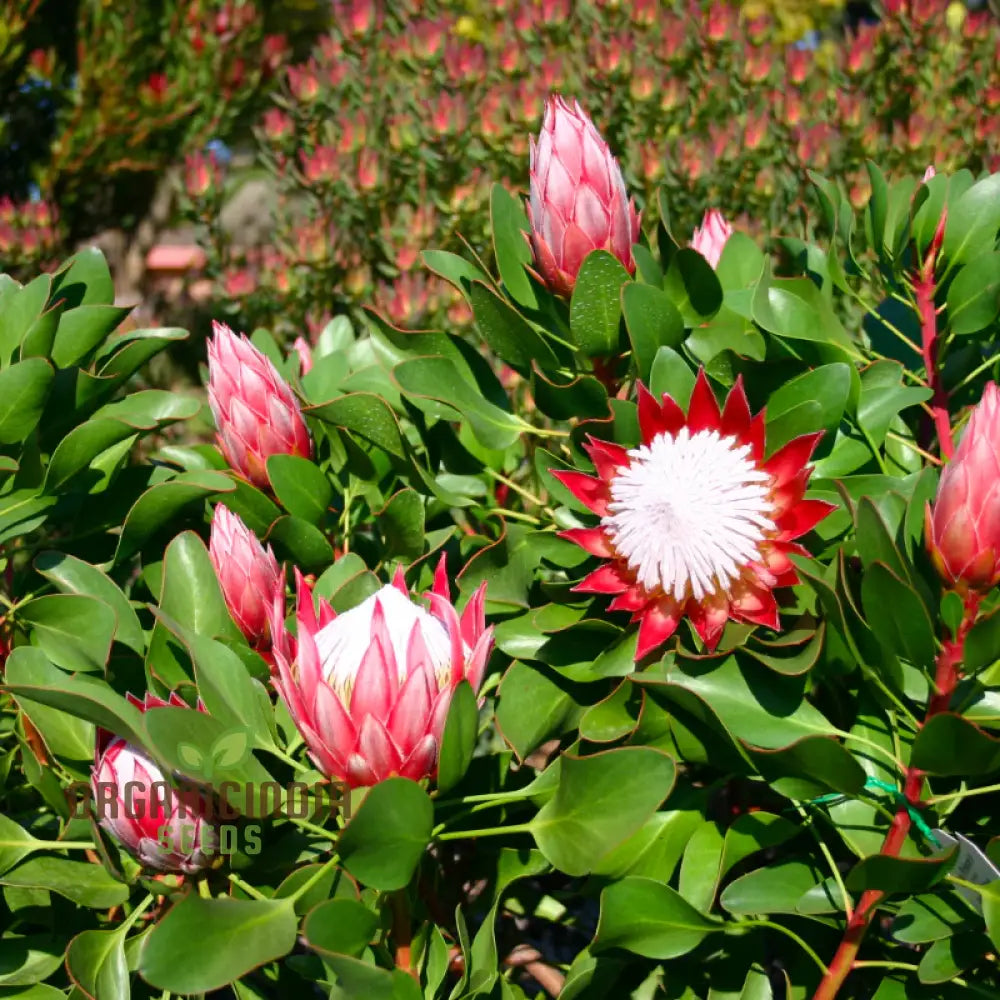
689	512
343	643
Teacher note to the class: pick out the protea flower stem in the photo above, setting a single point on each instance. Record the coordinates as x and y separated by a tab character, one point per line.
924	287
947	674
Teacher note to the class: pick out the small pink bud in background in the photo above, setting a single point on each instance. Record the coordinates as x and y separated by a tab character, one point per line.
720	21
428	38
962	531
578	199
277	125
304	82
368	172
256	412
370	689
321	166
156	86
237	282
304	352
247	573
643	83
653	159
797	64
928	173
673	37
274	52
178	835
644	12
710	238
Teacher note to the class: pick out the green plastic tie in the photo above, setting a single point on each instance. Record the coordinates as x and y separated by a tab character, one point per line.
901	801
904	803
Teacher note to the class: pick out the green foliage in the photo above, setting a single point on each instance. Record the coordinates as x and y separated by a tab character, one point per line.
701	823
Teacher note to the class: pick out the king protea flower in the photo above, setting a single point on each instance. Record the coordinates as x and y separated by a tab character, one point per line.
248	575
963	532
256	412
578	199
370	689
166	831
694	522
710	238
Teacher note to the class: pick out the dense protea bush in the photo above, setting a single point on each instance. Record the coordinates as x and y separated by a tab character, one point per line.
660	663
711	102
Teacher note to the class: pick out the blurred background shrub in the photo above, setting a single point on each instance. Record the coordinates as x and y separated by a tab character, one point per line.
297	157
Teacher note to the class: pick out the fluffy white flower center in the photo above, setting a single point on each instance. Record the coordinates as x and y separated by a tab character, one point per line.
343	643
689	513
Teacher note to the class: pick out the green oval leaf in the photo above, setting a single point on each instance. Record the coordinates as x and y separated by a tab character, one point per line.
649	919
596	306
601	801
221	941
386	838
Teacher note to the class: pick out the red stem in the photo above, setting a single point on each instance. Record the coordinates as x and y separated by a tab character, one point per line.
924	288
402	933
946	677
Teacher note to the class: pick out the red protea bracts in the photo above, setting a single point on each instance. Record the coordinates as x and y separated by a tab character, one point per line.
370	689
694	522
166	829
963	532
710	238
578	199
248	575
256	412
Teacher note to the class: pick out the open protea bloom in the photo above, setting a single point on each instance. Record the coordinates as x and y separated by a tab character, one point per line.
578	199
167	829
247	573
963	532
694	521
710	238
256	412
370	689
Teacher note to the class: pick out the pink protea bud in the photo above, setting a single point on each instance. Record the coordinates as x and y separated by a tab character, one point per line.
304	352
578	199
277	125
962	531
303	82
256	412
167	829
321	166
248	574
797	65
370	689
368	172
928	173
710	238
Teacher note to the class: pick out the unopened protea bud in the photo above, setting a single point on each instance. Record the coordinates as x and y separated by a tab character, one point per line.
963	529
578	199
167	829
248	575
256	412
711	237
